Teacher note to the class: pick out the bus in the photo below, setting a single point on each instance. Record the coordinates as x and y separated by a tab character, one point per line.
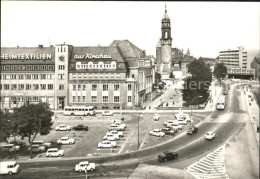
79	111
221	102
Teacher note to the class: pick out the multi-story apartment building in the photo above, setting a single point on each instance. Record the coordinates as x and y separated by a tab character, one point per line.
103	77
237	63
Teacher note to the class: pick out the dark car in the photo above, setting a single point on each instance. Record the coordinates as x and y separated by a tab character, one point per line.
80	127
168	131
192	130
165	156
225	92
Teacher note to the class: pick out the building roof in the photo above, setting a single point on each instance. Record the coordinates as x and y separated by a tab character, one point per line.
127	49
159	43
99	50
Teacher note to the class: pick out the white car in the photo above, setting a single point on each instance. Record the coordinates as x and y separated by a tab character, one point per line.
107	113
9	167
10	147
82	166
63	127
54	152
182	121
210	135
175	125
111	137
156	117
42	143
120	134
66	140
118	127
157	132
118	122
106	144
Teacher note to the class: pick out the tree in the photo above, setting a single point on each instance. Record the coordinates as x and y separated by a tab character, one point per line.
33	119
5	126
220	71
158	78
198	83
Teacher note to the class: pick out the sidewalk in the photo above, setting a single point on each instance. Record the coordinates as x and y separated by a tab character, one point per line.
215	92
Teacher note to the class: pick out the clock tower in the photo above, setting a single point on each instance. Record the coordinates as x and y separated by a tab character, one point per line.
165	45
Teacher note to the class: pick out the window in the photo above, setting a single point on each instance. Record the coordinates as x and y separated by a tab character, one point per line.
129	87
74	75
35	67
61	87
61	67
84	88
129	99
83	99
43	86
116	87
94	87
28	67
79	87
93	99
105	87
74	99
13	77
85	75
35	77
28	86
61	76
43	76
79	75
116	99
51	67
35	86
20	86
43	67
13	86
20	77
6	87
79	97
28	76
105	99
35	99
50	86
74	87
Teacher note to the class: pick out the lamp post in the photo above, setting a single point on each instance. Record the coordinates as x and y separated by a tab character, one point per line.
138	131
191	107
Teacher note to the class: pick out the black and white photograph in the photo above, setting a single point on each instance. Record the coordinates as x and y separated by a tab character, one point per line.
129	90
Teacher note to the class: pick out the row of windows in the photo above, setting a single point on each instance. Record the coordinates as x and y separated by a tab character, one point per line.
61	67
27	67
27	76
97	65
94	75
82	99
21	99
105	87
26	87
144	63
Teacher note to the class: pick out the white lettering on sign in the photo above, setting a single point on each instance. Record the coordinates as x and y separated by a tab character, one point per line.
91	56
25	56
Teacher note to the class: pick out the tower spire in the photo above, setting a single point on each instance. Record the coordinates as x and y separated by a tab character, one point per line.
165	8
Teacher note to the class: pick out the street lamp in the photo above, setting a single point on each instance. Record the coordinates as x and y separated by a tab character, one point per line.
191	107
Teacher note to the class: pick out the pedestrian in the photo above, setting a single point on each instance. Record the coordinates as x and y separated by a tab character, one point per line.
73	132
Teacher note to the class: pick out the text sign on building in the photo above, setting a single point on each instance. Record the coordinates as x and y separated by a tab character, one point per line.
26	56
91	56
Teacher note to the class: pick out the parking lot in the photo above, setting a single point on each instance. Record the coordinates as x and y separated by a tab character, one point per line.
86	142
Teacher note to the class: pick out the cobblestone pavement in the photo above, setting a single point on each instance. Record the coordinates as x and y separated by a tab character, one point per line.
211	166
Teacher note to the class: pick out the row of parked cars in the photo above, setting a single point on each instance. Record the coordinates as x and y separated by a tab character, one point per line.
170	126
114	134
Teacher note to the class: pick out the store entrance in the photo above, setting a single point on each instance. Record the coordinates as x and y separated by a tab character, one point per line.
61	103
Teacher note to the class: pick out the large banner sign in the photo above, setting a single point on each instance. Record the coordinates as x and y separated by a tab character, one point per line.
26	56
91	56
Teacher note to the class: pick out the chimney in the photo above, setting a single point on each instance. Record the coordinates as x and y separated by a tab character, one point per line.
40	46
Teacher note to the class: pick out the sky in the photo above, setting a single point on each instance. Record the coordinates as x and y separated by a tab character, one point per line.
204	27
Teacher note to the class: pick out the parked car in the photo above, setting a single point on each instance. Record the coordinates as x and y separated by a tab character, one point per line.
37	148
192	130
106	144
9	167
54	152
80	127
175	125
111	137
156	117
210	135
118	122
63	127
166	156
225	92
82	166
66	140
167	131
117	127
107	113
168	122
181	121
120	134
42	143
157	132
10	148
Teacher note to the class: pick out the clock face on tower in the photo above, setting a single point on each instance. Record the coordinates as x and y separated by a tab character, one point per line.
164	24
61	57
